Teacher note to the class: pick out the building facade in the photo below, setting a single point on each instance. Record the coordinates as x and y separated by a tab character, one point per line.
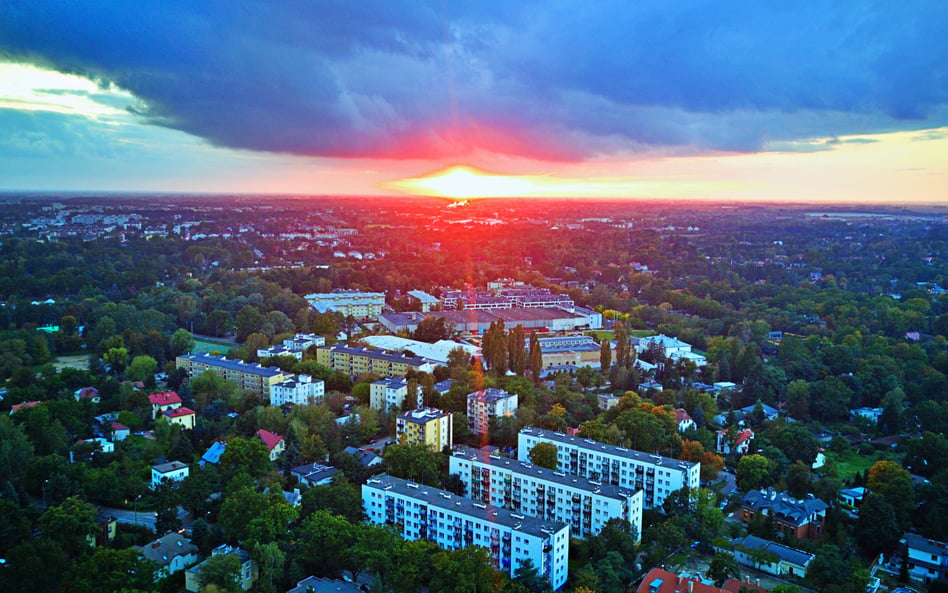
535	491
173	471
252	377
361	305
801	519
452	522
927	558
430	427
390	393
294	346
487	404
299	390
360	361
655	475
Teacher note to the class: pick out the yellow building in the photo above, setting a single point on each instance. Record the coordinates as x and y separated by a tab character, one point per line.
425	426
361	361
181	415
252	377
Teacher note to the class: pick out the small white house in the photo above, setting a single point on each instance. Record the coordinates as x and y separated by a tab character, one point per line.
173	470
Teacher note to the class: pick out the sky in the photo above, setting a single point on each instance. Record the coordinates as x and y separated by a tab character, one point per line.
752	100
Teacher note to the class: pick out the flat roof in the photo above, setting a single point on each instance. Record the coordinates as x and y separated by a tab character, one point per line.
443	499
535	471
378	354
234	365
609	449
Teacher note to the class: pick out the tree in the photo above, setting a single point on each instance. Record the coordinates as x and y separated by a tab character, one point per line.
71	524
605	355
796	442
221	571
536	357
324	544
143	367
413	462
544	455
110	570
182	342
799	479
270	561
339	498
753	472
466	570
877	529
893	482
723	566
517	350
432	329
244	455
527	575
16	451
798	400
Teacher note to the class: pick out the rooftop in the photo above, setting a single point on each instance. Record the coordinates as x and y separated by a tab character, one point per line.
490	395
784	506
443	499
423	415
166	547
171	466
379	355
559	437
164	398
785	553
270	439
233	365
179	412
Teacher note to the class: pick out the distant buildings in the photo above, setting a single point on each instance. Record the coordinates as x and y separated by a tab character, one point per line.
437	352
359	361
657	476
252	377
571	351
299	390
583	504
430	427
361	305
452	522
477	321
801	519
487	404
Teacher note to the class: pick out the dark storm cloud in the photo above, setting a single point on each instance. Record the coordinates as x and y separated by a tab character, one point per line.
553	80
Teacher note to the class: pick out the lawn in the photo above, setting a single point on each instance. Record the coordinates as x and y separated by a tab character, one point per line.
611	335
203	346
72	361
849	464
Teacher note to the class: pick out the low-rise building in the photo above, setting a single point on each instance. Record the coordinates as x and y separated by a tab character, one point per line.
163	401
741	441
314	474
452	522
801	519
430	427
363	361
852	497
659	580
316	585
298	390
173	471
657	476
684	420
172	552
274	442
570	351
252	377
927	558
487	404
120	432
672	348
294	346
526	488
184	417
87	393
770	557
246	577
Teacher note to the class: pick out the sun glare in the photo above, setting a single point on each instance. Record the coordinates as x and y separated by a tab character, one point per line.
462	182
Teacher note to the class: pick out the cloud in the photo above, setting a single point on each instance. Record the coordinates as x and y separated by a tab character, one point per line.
550	80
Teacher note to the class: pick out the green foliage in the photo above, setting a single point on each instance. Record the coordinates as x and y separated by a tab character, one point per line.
754	472
413	462
71	524
247	455
339	498
544	455
723	566
221	571
110	570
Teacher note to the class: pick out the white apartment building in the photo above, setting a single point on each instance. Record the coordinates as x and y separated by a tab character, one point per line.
453	522
389	394
486	404
657	476
581	503
299	390
294	346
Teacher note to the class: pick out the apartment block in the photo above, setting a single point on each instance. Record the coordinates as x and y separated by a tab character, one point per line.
390	393
358	361
299	390
657	476
361	305
452	522
252	377
585	505
425	426
294	346
486	404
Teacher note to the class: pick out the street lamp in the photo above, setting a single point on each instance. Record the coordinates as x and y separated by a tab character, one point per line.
136	509
44	492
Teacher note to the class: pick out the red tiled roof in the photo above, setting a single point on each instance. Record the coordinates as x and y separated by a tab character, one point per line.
87	392
119	426
24	405
164	398
681	415
178	412
270	439
669	582
736	586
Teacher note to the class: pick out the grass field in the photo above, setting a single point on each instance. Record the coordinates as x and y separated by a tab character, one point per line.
850	464
71	361
203	346
611	335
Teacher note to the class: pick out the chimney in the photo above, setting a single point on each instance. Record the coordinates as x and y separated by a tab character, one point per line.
757	582
691	586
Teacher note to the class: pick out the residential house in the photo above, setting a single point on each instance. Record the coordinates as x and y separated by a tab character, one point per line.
314	474
870	414
248	569
852	497
487	404
684	420
275	443
299	390
87	393
607	400
24	406
172	553
213	453
927	558
172	471
770	557
163	401
741	444
294	346
107	527
120	432
770	412
317	585
101	444
366	457
659	580
184	417
801	519
673	348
